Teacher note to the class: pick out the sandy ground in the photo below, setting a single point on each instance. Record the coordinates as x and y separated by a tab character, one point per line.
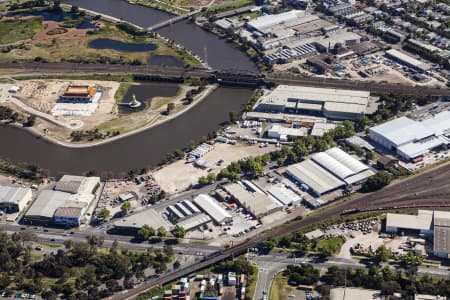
177	176
43	94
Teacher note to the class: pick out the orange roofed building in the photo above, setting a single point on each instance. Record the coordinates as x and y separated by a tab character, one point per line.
78	93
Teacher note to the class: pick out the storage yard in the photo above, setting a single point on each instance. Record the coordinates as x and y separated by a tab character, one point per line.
179	175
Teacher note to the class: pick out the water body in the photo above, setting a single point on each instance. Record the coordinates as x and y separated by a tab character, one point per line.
145	93
217	52
86	22
165	60
121	46
146	148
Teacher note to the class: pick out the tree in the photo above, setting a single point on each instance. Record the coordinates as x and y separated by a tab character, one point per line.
176	264
126	206
178	232
104	213
170	108
234	117
146	232
382	254
162	232
377	181
74	9
31	120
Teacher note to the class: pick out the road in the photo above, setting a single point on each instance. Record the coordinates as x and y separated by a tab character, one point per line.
149	70
58	236
430	187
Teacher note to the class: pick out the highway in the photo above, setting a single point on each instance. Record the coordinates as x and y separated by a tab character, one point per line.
58	236
149	70
433	182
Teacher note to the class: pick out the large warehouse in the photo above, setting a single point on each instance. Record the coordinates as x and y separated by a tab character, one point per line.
14	199
407	60
343	165
255	202
213	209
328	171
427	222
66	204
411	139
331	103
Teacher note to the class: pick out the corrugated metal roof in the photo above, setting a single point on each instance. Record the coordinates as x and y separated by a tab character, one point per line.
422	221
9	194
347	160
402	130
317	178
214	210
332	165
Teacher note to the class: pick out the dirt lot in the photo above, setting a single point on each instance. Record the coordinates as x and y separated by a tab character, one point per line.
177	176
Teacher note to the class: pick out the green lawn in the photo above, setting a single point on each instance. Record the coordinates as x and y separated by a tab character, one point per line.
279	290
17	30
330	246
122	90
231	5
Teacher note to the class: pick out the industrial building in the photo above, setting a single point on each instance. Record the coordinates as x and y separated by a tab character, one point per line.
14	199
252	199
426	222
327	171
213	209
407	60
181	211
66	204
283	195
412	139
194	222
78	94
131	224
283	133
330	103
342	165
313	177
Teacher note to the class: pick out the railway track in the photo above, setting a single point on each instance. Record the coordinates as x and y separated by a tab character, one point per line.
238	77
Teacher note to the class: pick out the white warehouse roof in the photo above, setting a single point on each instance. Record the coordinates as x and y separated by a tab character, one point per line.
271	20
402	130
214	210
342	165
422	221
314	176
13	195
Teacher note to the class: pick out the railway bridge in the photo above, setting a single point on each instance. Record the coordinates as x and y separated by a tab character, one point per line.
173	20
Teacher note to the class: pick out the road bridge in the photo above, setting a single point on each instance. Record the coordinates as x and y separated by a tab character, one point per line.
173	20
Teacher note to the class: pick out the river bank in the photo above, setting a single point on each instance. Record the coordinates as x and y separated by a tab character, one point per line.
55	140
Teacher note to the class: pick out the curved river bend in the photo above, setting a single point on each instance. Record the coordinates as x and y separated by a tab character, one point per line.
218	53
144	149
147	148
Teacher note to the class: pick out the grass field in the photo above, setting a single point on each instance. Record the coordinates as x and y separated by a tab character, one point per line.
280	290
331	245
17	30
122	90
74	46
231	5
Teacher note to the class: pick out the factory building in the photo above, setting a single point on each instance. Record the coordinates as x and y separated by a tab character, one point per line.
427	222
194	222
213	209
282	133
412	139
313	177
327	171
283	195
407	60
14	199
330	103
131	224
343	165
252	199
66	204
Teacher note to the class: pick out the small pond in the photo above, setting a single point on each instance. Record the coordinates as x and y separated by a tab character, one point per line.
121	46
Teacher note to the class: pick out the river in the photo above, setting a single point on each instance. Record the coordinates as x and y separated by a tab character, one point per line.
149	147
218	53
144	149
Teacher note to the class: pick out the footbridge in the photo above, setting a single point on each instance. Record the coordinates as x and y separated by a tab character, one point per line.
173	20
